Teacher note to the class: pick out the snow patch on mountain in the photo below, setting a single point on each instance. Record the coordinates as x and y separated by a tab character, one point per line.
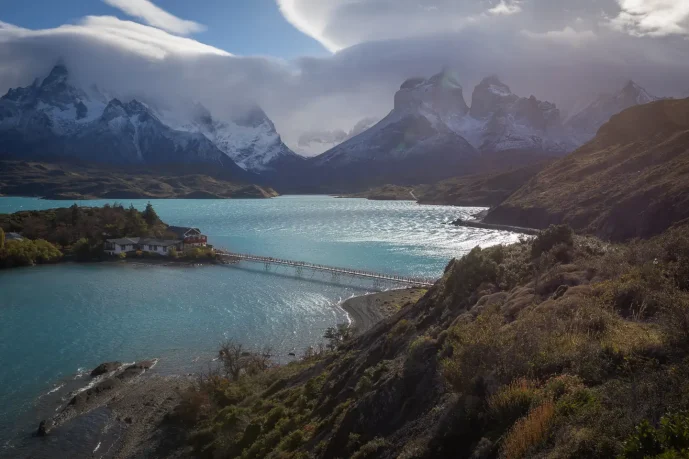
55	116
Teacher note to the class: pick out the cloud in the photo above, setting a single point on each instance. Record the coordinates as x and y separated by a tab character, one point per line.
506	8
653	17
568	35
557	50
156	16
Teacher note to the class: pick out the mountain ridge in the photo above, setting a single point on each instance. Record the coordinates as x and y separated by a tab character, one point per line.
55	117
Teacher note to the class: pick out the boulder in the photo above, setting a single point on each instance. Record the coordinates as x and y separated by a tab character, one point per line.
104	368
42	429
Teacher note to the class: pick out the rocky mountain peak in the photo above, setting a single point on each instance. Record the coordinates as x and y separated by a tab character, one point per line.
441	94
255	117
57	76
491	96
635	94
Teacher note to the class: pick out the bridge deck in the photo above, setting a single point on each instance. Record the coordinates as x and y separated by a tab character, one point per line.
422	282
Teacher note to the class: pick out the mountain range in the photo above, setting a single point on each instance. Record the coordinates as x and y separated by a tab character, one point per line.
431	133
54	118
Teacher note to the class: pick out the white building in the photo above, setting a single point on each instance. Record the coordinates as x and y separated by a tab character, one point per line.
148	245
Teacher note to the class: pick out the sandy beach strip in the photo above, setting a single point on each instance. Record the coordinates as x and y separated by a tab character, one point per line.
367	310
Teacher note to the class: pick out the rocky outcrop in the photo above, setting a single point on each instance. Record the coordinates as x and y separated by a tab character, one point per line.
104	368
100	394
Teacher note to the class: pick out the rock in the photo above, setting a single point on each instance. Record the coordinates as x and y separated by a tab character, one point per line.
561	290
42	429
104	368
128	420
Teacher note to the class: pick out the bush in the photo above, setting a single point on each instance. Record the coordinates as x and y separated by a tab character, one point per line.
551	237
371	449
513	401
401	328
669	440
468	273
27	253
172	252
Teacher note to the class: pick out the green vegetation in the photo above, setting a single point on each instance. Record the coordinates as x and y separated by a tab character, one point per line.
75	231
27	253
560	346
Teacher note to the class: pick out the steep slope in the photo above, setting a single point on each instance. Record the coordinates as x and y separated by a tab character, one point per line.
509	355
584	125
631	180
251	140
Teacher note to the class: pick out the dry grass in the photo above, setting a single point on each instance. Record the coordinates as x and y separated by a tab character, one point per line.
529	431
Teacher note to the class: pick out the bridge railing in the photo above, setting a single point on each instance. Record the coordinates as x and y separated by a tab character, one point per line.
355	272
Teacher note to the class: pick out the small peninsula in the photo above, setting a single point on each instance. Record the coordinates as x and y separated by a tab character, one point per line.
88	234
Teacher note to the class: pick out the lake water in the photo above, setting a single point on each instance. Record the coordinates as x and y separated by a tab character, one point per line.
58	321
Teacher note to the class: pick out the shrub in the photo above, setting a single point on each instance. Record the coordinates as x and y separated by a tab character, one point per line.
529	432
468	273
27	253
172	252
364	385
292	441
669	440
551	237
122	255
401	328
512	401
371	449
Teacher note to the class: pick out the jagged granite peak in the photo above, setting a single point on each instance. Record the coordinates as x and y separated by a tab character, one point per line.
442	93
53	116
57	76
490	96
584	125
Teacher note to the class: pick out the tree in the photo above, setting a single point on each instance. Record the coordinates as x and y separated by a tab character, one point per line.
2	238
150	215
76	214
338	335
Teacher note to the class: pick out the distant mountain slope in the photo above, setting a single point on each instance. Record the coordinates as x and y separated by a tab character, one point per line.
584	125
56	118
480	190
632	180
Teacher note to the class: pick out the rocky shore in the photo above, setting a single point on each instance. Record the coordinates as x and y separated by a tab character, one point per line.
138	406
367	310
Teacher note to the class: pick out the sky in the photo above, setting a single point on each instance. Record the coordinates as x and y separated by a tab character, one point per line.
327	64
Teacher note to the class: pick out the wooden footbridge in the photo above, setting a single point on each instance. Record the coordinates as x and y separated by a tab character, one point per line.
300	266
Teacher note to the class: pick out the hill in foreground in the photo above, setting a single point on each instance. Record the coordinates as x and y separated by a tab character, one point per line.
558	347
631	180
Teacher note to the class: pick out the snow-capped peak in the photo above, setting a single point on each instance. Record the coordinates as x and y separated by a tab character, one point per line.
55	112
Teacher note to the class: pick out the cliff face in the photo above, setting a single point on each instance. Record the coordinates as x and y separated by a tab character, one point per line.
631	180
533	350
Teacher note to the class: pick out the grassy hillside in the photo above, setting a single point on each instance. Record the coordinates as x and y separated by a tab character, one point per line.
483	190
82	181
561	347
632	180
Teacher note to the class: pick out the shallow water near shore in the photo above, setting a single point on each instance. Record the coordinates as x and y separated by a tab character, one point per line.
56	321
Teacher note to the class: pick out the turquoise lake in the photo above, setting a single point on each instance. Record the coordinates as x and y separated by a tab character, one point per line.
58	321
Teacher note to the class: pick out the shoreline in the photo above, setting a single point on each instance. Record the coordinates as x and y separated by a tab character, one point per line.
366	311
